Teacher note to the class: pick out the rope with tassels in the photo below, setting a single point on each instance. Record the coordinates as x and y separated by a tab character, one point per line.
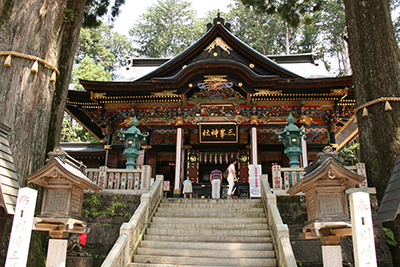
381	99
34	68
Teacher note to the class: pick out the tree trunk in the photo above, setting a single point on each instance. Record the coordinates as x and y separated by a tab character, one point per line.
33	28
39	28
66	59
374	56
287	42
30	104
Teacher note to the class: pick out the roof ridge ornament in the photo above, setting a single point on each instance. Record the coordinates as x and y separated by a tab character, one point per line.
219	20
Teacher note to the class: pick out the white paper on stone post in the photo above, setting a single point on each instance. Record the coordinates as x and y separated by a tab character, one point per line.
21	230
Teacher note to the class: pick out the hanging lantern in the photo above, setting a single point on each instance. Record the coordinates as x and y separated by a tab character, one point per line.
365	112
35	67
7	63
53	77
355	120
387	106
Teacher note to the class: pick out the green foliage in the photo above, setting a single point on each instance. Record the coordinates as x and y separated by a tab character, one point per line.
69	16
291	11
88	70
94	200
166	29
106	48
72	131
390	238
100	256
308	34
263	32
96	9
113	210
348	154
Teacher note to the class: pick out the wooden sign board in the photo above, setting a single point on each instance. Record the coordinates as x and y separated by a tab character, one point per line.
218	133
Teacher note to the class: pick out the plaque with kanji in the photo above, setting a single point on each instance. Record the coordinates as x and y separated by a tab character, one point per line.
218	133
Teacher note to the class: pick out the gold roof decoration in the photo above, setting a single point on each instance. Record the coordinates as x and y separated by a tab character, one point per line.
218	42
215	78
343	91
179	121
306	120
165	93
97	95
267	92
254	120
127	122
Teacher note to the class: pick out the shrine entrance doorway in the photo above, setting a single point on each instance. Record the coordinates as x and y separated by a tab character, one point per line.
201	163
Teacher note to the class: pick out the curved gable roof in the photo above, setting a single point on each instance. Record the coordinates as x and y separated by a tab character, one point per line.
245	54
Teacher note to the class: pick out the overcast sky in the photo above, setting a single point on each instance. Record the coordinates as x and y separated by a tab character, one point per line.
132	9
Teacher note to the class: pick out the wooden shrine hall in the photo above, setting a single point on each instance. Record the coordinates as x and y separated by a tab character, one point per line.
216	100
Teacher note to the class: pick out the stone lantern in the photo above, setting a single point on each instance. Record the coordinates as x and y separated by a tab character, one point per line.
291	137
133	142
64	181
324	186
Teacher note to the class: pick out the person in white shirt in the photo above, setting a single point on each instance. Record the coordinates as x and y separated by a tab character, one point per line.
231	177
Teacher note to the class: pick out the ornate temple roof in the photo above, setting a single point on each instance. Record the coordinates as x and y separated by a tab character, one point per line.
218	56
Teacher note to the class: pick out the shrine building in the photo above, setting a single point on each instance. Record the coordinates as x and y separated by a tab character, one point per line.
218	99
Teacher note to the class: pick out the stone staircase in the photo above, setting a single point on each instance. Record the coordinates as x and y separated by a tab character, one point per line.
207	232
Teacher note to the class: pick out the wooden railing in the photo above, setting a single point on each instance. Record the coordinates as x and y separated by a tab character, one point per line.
132	232
279	230
131	179
284	178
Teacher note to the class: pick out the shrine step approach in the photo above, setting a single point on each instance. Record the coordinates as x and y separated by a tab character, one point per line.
207	232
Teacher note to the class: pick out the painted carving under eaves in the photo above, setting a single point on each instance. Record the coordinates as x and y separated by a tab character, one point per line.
216	89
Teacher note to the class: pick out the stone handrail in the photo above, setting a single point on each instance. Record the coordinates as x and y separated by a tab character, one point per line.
131	233
125	179
279	231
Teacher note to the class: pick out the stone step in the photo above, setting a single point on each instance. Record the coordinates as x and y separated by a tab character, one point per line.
202	226
211	209
204	238
203	220
205	245
220	214
209	204
207	253
210	200
208	232
202	261
136	264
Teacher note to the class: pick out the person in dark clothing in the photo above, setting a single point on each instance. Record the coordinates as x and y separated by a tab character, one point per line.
236	190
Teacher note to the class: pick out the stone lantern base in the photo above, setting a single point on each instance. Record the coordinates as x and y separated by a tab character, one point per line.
74	261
